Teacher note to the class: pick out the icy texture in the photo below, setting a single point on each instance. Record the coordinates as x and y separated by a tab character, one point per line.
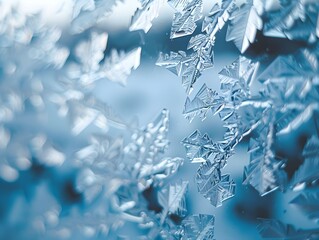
214	186
264	171
108	175
198	147
145	14
295	20
245	22
172	199
274	229
116	67
187	13
117	174
88	13
308	202
308	171
199	227
205	100
188	66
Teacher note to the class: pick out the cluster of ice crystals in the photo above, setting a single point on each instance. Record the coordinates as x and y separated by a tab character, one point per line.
288	98
111	175
187	13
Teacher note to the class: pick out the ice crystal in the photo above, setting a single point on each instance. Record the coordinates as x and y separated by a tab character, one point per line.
117	174
307	172
198	147
245	22
199	226
145	14
187	13
172	199
308	203
205	100
295	20
274	229
213	185
116	67
87	13
190	66
264	171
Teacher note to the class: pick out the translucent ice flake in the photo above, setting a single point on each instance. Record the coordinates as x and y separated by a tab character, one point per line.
308	171
151	140
90	53
243	26
117	67
214	186
205	100
308	202
87	13
237	77
90	111
275	229
199	227
218	16
188	66
143	17
188	12
198	147
172	199
295	20
264	171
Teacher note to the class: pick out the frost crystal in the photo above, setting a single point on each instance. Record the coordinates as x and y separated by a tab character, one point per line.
214	186
172	199
245	22
187	13
190	66
295	20
199	227
117	67
264	171
87	13
308	203
205	100
274	229
145	14
198	147
308	171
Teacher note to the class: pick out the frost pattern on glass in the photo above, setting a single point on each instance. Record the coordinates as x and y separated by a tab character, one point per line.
264	171
116	174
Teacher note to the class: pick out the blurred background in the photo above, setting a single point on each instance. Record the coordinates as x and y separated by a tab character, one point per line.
149	90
